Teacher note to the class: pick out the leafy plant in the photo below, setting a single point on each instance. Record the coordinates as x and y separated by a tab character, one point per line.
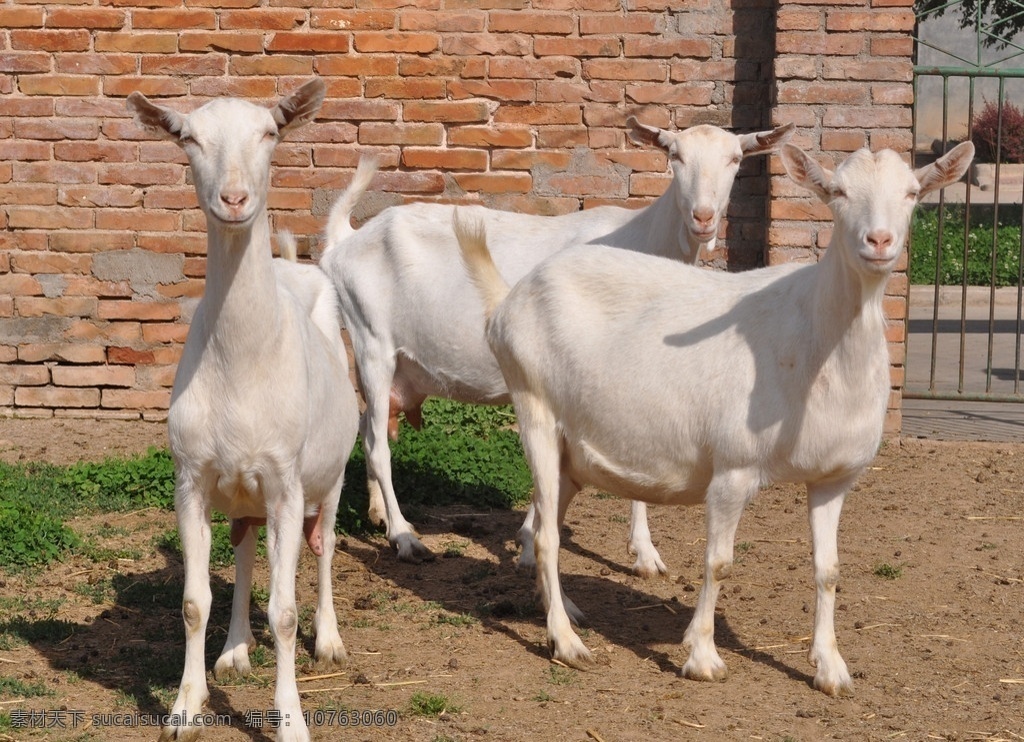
431	704
31	537
125	484
999	136
924	248
888	571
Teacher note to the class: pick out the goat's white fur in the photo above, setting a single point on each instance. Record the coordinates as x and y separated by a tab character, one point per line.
263	415
600	349
416	324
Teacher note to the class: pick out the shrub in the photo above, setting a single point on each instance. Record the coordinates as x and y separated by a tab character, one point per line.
925	240
989	141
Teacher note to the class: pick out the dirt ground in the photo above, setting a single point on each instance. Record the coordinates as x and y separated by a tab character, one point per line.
930	618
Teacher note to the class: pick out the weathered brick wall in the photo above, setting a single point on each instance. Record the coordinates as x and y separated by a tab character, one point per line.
844	75
518	104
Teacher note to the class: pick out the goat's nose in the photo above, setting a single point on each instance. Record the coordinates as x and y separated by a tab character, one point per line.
880	239
703	215
234	198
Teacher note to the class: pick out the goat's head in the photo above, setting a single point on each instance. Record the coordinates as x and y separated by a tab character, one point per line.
871	196
705	160
229	144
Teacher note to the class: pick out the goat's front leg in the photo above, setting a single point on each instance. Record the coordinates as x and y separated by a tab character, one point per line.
648	560
284	541
330	649
234	658
727	495
193	516
824	505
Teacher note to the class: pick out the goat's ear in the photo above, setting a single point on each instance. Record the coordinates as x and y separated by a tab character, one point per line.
947	169
300	107
805	171
766	141
159	119
650	135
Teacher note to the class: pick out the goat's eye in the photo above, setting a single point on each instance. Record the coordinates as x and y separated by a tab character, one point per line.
913	193
186	141
736	159
270	136
838	192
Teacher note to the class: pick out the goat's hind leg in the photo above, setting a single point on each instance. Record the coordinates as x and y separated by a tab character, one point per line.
194	528
648	561
330	649
376	380
824	504
234	658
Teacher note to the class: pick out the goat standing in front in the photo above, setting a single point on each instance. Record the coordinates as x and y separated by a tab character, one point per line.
601	348
416	322
263	415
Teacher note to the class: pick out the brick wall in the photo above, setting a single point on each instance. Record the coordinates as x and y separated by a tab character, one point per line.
517	104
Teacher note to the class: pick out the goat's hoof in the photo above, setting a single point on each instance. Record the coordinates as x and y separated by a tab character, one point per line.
709	673
576	655
412	551
526	565
832	686
331	657
229	667
179	734
648	568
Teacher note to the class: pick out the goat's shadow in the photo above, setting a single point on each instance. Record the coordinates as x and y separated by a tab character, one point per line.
135	646
504	600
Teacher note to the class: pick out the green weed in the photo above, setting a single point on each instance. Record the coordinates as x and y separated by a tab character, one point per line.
978	267
21	689
431	704
888	571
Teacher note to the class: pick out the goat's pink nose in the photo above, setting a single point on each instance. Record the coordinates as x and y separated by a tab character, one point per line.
703	215
234	198
880	239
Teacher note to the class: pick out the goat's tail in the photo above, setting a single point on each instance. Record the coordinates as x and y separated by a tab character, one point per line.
479	264
287	246
338	225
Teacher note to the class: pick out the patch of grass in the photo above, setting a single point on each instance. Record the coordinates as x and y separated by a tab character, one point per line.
31	537
431	704
20	689
561	675
453	549
888	571
543	697
463	453
925	240
19	630
125	484
98	592
455	619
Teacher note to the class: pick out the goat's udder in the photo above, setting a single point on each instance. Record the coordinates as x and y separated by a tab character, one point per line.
310	529
413	414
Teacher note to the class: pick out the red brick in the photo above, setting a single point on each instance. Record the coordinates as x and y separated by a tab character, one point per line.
858	20
65	352
357	66
494	182
527	22
48	396
94	151
823	92
457	68
444	159
512	45
96	64
490	136
140	310
25	151
819	43
95	376
28	195
137	43
12	284
698	94
27	106
867	117
31	217
353	20
31	262
89	286
317	41
502	90
842	141
238	87
681	47
89	242
264	19
892	94
15	17
617	23
279	65
446	111
178	18
399	88
108	18
135	399
140	175
567	91
28	61
21	375
37	306
185	64
161	332
588	46
539	114
448	22
130	356
527	160
799	19
892	46
403	134
199	41
150	86
620	69
50	41
99	197
58	85
369	42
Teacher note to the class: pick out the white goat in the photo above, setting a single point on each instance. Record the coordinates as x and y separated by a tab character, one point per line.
416	322
600	349
263	414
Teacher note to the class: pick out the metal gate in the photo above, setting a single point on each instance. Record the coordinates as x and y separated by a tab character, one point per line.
966	268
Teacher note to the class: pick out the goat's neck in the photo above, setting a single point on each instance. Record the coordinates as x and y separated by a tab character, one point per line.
241	307
846	311
658	229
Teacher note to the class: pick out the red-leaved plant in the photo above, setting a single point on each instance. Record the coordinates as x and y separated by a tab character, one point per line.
985	133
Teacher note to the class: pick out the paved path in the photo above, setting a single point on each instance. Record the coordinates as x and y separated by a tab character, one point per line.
959	420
